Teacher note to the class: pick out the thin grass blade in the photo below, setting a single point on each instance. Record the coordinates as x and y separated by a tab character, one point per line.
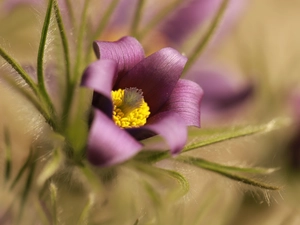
199	48
220	169
41	56
51	167
84	217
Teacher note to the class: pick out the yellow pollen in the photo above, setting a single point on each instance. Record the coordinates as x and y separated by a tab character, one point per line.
130	109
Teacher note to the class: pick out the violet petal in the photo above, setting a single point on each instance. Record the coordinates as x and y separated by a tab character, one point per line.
99	76
169	125
185	100
9	5
108	144
12	4
127	52
187	19
221	90
156	76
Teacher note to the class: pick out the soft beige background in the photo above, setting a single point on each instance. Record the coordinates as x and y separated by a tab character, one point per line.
263	47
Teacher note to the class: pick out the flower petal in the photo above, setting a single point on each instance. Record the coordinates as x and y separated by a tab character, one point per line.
167	124
185	100
99	76
156	76
222	91
195	13
187	19
108	144
9	5
12	4
127	52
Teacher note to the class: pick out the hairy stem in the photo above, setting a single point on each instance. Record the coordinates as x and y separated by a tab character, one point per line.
198	50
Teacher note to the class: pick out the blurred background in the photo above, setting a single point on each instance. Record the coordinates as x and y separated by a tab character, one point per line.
262	48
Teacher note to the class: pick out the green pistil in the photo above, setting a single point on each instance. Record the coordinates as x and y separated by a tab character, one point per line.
133	99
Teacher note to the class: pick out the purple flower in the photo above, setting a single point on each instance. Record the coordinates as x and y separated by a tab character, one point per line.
10	5
191	16
144	96
225	96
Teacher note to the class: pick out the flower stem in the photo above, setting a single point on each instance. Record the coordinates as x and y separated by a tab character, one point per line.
77	66
237	133
64	40
84	217
22	170
136	19
19	70
70	12
40	59
104	22
30	83
100	28
51	167
220	169
80	40
27	188
208	36
53	194
69	84
90	177
38	105
158	18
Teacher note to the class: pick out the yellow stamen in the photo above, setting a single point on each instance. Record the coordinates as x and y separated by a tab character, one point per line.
130	109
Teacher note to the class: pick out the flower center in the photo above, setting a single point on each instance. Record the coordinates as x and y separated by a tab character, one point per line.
130	109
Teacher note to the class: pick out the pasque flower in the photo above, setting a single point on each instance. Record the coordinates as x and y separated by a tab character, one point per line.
185	20
225	96
136	98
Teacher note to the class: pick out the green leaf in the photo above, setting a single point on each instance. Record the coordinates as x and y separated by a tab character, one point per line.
160	173
212	136
51	167
22	169
224	171
31	98
90	178
159	17
151	156
53	195
137	18
19	70
40	57
199	48
184	185
253	170
42	212
78	64
153	194
27	188
237	133
70	12
84	217
64	40
69	90
210	198
80	40
104	20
